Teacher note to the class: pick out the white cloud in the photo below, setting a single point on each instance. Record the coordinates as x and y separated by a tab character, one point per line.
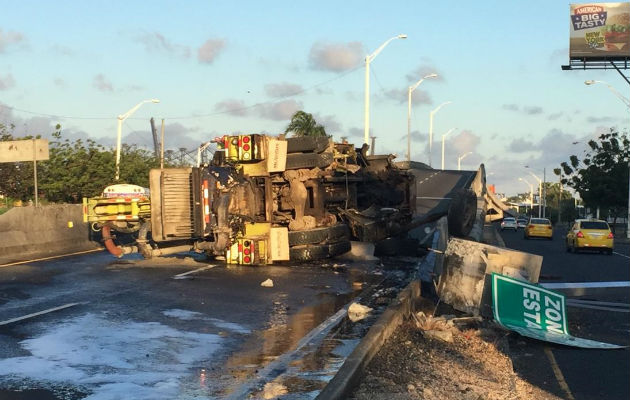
210	50
280	111
7	82
155	42
100	82
283	89
232	107
336	57
10	39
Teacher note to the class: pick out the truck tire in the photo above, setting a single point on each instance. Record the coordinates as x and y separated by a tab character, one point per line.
462	213
309	160
328	234
312	252
307	144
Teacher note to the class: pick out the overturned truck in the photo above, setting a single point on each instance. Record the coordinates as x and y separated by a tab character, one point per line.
261	199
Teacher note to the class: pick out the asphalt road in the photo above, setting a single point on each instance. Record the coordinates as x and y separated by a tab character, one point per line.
434	188
130	330
574	373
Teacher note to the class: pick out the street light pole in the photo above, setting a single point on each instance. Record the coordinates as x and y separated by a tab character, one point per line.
540	195
411	89
460	158
626	101
431	127
368	59
121	119
444	137
531	194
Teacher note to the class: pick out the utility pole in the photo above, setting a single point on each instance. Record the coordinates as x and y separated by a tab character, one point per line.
373	145
156	144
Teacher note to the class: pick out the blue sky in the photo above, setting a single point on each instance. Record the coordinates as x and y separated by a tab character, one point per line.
225	67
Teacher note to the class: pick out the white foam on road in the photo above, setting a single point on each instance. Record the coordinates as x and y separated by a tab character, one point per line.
187	315
113	359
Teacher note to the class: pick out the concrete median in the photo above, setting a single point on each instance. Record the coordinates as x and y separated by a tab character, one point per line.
37	232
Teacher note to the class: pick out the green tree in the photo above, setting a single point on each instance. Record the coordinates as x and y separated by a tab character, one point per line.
303	124
601	176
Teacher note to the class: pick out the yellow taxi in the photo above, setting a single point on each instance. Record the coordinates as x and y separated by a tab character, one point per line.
590	234
538	227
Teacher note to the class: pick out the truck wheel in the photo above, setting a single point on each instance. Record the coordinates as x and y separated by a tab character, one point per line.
462	213
307	144
320	235
309	160
312	252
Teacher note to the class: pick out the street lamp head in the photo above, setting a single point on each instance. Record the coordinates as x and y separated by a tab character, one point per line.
155	101
431	76
402	36
590	82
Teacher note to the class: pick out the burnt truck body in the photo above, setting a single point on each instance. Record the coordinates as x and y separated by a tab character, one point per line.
264	199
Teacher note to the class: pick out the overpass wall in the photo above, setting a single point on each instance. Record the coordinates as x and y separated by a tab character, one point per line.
36	232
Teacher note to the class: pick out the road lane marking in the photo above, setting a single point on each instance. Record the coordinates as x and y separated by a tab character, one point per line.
596	307
585	285
10	321
558	373
599	303
184	274
52	257
619	254
271	370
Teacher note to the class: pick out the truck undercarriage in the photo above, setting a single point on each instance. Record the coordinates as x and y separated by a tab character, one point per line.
264	199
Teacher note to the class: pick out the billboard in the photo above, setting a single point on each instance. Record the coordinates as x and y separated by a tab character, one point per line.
24	150
599	31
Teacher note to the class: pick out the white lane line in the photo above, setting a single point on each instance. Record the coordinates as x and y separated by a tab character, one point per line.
585	285
558	373
599	303
619	254
184	274
10	321
593	307
51	257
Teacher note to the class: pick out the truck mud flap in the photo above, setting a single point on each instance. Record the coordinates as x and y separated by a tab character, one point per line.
326	234
312	252
309	160
307	144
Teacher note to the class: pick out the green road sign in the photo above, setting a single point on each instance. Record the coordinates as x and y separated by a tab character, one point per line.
528	306
535	312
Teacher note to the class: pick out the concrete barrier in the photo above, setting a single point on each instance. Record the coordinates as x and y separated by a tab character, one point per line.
37	232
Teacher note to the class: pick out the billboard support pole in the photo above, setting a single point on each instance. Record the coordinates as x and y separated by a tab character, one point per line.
620	73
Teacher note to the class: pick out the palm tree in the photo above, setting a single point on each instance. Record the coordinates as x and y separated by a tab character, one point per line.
303	124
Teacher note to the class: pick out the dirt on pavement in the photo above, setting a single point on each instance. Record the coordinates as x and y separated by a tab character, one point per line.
445	359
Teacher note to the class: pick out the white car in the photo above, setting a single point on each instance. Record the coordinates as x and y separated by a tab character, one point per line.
508	223
521	223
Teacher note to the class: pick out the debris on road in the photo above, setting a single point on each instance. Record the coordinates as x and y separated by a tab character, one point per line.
357	312
267	283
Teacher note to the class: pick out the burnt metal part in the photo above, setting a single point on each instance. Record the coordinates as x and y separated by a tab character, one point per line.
312	252
398	246
307	144
309	160
326	234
